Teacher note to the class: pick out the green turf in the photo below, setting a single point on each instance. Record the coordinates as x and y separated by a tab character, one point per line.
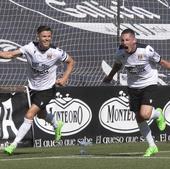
111	156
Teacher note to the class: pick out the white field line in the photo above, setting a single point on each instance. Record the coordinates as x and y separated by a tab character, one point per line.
135	153
115	156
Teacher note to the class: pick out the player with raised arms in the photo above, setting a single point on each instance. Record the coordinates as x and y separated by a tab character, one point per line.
140	61
41	57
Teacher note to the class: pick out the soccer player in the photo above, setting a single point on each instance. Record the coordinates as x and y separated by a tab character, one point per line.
41	57
142	77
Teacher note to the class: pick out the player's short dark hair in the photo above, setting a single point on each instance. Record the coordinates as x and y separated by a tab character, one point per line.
43	28
128	30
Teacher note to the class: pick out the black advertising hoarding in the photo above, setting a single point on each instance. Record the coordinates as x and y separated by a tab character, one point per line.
99	115
12	110
93	114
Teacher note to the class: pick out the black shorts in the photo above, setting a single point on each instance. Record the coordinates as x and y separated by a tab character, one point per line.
145	96
42	98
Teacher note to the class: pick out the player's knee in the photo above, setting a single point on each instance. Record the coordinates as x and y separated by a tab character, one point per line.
145	115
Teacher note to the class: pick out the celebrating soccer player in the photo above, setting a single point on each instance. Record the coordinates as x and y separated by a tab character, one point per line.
142	77
41	58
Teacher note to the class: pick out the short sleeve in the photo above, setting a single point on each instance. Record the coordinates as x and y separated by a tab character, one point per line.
62	54
24	48
153	56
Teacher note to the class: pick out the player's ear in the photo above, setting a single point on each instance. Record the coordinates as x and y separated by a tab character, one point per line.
37	37
135	40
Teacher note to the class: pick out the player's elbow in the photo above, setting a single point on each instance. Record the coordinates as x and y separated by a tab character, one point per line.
71	62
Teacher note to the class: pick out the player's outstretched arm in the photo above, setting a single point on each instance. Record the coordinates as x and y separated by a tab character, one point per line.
116	67
165	63
10	54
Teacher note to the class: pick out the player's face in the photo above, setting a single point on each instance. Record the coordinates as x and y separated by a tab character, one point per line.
129	42
45	38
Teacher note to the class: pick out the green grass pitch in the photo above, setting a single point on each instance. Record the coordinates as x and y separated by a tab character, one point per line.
110	156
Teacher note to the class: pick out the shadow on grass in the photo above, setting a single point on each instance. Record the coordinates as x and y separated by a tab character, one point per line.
127	154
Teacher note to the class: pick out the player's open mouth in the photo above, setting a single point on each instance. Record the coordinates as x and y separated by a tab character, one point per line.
125	47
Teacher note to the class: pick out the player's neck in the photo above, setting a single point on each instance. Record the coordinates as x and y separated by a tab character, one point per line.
133	49
42	48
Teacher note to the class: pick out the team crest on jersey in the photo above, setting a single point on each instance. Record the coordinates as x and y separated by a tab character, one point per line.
49	56
140	57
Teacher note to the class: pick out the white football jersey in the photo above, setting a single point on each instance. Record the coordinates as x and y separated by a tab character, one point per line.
42	65
140	65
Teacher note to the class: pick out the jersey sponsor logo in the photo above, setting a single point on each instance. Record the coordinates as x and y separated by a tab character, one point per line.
135	69
115	115
79	14
75	114
40	68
